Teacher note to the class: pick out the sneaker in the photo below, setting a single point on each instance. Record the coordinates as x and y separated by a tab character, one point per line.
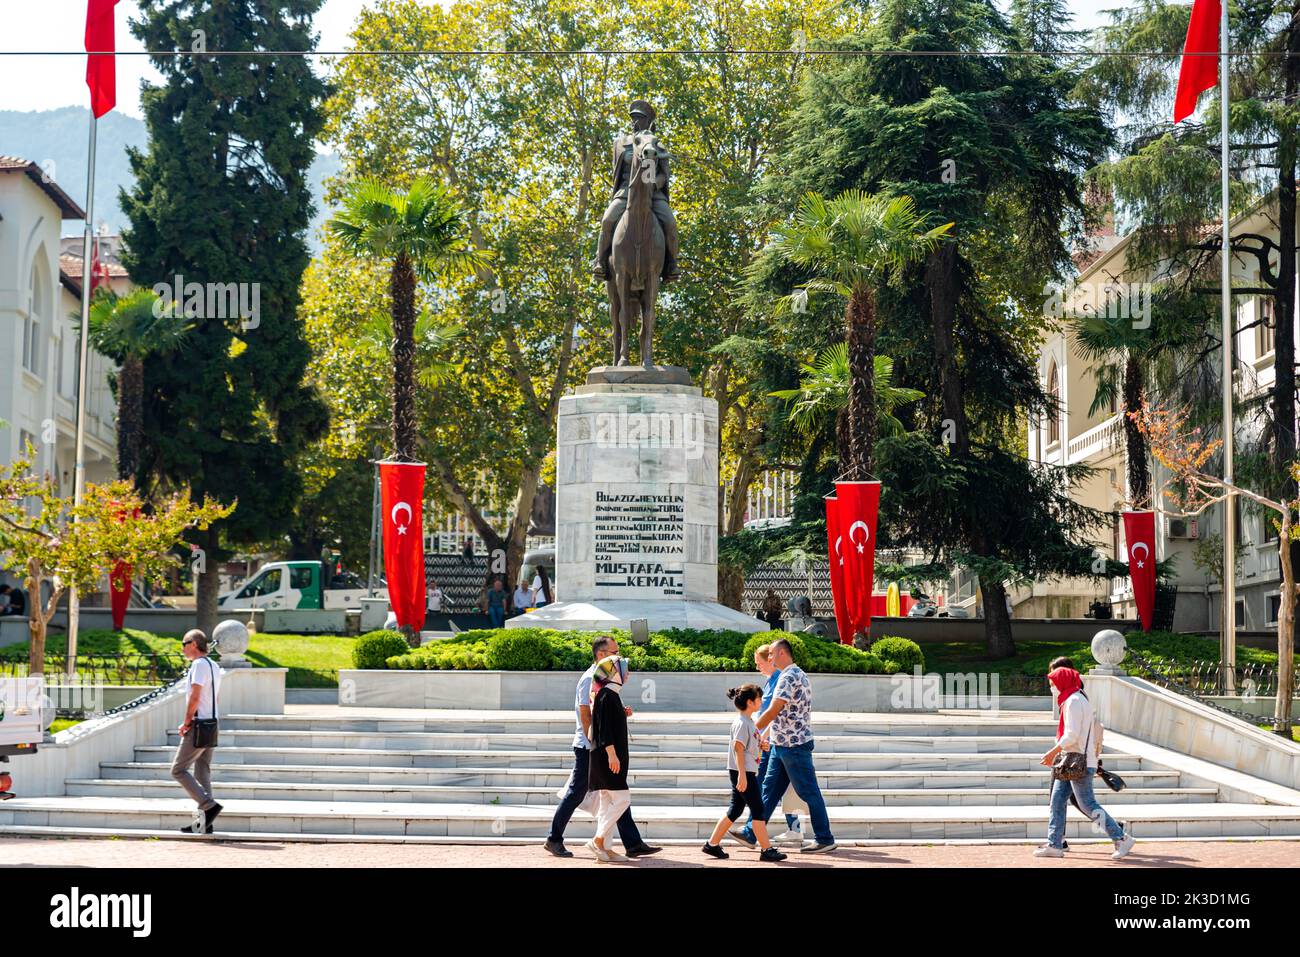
641	850
602	856
198	824
736	834
557	848
789	837
210	815
818	848
772	855
614	857
1048	851
1123	846
715	850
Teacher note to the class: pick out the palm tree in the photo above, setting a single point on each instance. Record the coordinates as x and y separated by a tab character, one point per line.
852	245
423	232
823	393
128	329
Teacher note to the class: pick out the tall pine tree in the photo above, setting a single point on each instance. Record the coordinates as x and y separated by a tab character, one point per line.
221	197
997	145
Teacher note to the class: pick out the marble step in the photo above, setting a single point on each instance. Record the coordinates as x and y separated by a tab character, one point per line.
551	779
707	760
716	797
956	724
640	741
121	814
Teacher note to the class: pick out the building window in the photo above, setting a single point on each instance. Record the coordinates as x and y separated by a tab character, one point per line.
1274	605
1266	311
1240	616
36	310
1054	393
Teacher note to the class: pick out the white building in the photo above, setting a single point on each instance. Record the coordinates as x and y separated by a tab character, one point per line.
40	292
1095	438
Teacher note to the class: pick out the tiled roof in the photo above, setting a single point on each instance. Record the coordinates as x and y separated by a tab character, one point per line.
16	164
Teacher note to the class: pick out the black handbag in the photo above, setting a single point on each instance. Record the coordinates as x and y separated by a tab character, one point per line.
1113	781
205	730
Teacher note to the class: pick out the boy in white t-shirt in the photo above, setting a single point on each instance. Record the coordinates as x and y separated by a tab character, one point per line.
202	696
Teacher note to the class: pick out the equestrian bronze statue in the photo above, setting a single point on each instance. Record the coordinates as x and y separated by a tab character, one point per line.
638	234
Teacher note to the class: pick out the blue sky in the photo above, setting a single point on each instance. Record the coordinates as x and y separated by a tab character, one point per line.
48	82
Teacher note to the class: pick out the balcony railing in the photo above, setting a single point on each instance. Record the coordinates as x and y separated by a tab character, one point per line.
1094	440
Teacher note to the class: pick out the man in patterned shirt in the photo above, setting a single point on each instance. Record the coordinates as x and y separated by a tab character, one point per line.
790	715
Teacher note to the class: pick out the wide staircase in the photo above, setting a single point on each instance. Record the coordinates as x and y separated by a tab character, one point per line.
327	773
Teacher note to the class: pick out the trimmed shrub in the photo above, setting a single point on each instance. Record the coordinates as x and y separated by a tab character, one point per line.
372	651
798	649
902	651
519	649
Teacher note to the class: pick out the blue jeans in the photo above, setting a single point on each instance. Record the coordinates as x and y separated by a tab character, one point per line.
791	820
498	615
794	767
575	791
1082	789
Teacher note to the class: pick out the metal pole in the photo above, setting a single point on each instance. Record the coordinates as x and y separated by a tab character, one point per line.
374	533
83	348
1228	641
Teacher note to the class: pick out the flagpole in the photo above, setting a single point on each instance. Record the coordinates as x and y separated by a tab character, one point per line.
1228	641
83	348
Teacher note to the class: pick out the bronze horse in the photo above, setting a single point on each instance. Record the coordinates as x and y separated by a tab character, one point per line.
636	259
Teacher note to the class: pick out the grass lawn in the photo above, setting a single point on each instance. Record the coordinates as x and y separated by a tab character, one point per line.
313	660
1023	672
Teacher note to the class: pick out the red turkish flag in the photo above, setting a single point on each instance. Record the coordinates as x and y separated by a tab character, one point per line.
119	593
1200	71
859	505
99	274
1140	536
119	584
101	66
401	486
834	546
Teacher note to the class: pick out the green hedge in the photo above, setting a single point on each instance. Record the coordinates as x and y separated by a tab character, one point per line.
902	651
375	648
538	649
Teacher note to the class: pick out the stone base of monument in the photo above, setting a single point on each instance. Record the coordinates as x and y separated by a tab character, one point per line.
636	506
662	614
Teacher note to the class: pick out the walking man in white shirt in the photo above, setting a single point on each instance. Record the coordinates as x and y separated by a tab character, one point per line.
203	691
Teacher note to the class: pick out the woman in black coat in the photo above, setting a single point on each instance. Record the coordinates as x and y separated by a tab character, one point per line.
607	771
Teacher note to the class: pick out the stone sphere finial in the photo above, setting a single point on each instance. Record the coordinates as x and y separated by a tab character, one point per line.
231	639
1109	649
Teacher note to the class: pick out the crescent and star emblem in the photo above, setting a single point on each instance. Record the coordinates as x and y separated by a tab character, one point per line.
401	529
1133	551
839	540
866	535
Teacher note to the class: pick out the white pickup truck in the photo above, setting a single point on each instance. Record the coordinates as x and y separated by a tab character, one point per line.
22	725
290	585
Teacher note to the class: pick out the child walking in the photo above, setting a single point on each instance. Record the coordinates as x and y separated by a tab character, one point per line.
742	766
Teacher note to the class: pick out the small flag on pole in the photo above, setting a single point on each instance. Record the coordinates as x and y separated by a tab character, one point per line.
101	68
1199	69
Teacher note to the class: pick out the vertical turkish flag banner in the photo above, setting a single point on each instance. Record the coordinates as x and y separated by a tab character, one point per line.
859	506
1198	70
101	66
834	548
119	593
1140	534
401	486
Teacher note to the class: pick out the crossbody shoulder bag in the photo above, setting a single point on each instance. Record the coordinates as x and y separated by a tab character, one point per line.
205	729
1073	765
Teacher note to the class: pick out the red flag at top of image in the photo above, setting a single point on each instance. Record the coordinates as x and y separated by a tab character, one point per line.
101	67
401	488
1199	71
835	549
859	504
1140	535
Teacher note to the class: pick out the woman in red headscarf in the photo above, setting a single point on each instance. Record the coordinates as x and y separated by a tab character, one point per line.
1079	732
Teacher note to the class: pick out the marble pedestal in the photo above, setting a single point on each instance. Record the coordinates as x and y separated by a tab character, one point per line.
636	510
